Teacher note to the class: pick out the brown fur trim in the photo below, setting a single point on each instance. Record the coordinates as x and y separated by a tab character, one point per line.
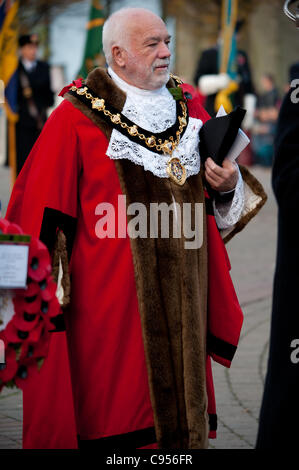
171	284
96	119
258	190
104	87
60	253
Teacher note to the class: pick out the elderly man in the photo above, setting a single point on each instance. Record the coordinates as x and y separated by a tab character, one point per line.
138	373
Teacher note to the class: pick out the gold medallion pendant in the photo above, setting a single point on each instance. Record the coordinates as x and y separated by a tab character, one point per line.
176	171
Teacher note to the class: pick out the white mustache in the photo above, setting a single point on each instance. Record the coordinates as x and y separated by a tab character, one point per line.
159	64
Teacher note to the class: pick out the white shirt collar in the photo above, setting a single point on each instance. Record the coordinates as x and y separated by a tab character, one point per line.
28	64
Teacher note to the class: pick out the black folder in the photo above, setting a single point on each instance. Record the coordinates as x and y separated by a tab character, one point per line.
218	134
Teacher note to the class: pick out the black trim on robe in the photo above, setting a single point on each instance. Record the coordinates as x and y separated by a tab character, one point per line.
53	220
213	422
221	348
59	324
130	440
209	206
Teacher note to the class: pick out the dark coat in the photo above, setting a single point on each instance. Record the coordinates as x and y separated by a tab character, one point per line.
209	65
27	129
279	415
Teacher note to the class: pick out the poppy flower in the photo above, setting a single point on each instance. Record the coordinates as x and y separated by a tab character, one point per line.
25	321
31	290
47	288
78	83
10	367
26	370
14	229
36	350
39	264
28	304
16	336
7	227
4	224
49	310
26	336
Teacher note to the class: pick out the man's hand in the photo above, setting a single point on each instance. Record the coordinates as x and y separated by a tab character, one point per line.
221	178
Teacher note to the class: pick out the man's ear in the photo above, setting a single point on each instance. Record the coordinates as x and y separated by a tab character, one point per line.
118	54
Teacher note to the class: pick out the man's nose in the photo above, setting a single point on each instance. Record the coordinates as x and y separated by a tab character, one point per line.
164	51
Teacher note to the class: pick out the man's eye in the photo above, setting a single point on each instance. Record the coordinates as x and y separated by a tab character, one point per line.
153	44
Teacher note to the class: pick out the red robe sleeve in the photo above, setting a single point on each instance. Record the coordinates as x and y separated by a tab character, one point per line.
54	157
48	414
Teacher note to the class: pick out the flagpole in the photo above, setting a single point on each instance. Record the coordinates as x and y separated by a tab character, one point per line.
229	19
228	24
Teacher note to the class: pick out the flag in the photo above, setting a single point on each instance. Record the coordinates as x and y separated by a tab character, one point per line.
93	53
8	71
228	55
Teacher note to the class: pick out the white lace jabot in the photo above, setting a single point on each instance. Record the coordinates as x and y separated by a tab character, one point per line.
155	111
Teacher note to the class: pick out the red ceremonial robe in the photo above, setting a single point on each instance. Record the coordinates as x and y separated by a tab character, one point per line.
94	381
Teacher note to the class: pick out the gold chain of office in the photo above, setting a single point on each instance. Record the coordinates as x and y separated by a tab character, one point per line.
167	146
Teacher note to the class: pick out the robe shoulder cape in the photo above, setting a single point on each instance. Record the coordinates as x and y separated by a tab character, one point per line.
133	367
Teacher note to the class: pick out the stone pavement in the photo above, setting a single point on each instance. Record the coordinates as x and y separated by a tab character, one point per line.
238	389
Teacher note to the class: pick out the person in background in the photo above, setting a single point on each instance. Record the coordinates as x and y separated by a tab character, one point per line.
34	97
279	414
209	82
266	115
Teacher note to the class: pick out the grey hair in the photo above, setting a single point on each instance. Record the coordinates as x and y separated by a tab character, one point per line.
115	30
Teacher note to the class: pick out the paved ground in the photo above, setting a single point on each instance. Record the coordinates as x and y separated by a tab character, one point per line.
238	389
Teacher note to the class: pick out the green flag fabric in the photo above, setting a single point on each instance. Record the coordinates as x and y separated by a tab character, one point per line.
93	53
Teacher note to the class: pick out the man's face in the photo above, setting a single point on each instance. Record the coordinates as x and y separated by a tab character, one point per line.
146	57
29	52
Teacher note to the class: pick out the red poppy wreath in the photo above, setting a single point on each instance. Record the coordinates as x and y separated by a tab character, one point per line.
26	316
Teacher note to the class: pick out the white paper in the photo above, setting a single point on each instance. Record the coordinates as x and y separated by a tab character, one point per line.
240	143
13	266
221	112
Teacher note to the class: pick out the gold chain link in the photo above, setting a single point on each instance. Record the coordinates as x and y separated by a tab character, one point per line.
167	146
